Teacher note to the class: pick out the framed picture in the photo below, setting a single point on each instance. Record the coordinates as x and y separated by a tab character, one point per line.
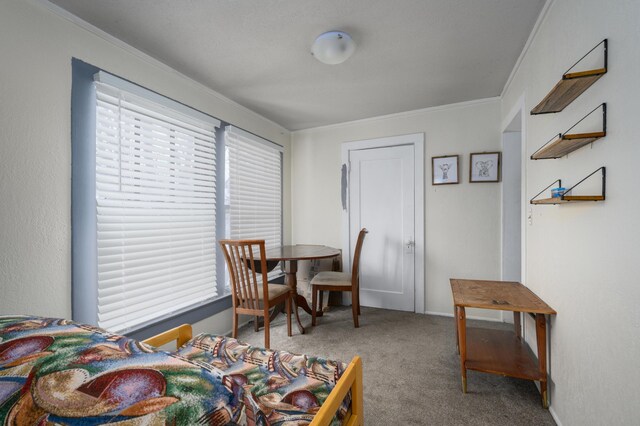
484	167
444	170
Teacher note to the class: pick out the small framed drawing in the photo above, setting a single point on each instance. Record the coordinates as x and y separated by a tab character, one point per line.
484	167
444	170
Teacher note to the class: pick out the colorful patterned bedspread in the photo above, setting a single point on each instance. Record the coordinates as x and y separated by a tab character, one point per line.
55	371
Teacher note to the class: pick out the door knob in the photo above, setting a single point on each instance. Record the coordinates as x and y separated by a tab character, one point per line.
409	246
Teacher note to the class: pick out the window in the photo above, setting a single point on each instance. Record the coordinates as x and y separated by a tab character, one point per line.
155	205
153	188
253	188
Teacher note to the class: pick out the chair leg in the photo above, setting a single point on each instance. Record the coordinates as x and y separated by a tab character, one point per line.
256	323
314	300
234	333
354	309
358	298
320	300
267	327
288	307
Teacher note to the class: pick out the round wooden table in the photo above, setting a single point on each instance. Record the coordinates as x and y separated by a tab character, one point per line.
290	255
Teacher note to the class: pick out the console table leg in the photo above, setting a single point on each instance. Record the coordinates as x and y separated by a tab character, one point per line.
462	344
455	324
541	338
517	323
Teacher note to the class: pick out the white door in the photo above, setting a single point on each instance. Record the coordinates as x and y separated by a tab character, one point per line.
381	199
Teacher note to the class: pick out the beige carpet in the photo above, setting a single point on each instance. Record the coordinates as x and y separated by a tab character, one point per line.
411	369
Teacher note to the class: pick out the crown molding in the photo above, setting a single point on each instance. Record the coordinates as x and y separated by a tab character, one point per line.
116	42
534	32
403	114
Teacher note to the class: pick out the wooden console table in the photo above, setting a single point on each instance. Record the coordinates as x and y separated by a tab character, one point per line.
501	351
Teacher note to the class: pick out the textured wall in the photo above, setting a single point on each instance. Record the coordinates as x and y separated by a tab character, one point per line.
36	47
582	259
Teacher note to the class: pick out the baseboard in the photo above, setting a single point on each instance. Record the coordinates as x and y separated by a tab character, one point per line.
555	416
472	317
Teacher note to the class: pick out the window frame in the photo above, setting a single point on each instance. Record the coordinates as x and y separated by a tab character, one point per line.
84	281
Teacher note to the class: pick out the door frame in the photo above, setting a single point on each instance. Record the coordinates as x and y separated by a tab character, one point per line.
417	141
519	107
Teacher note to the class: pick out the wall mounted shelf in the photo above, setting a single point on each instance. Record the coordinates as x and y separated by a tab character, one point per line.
573	198
572	85
566	142
568	199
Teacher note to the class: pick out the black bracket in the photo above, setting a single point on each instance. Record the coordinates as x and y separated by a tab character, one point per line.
604	181
605	42
604	118
559	181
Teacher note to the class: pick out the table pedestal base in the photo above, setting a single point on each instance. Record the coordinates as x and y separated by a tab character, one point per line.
291	268
302	302
290	255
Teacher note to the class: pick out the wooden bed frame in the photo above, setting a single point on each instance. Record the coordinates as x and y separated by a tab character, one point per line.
351	380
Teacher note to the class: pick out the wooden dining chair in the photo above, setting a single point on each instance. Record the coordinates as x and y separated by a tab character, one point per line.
340	281
251	293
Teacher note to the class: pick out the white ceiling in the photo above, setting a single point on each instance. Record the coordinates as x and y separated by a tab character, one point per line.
410	54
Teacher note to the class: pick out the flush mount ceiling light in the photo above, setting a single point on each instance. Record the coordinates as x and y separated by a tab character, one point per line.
333	47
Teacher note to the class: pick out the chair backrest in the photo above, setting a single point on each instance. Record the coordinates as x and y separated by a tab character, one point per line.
244	258
355	277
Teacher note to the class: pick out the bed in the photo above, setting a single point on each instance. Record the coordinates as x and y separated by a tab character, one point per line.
56	371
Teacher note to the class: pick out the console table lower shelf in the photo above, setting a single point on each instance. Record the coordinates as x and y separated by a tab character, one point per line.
501	352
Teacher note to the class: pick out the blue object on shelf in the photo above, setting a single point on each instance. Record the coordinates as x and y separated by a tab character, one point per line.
557	192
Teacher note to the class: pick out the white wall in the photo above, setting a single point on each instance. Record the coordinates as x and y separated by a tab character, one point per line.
583	259
36	47
464	218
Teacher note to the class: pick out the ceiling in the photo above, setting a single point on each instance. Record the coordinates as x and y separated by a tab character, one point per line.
410	54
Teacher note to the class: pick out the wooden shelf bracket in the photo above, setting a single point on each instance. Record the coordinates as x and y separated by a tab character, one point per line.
572	198
566	142
572	85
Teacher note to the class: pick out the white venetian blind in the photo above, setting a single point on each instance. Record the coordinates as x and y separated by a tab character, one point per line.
156	209
254	187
